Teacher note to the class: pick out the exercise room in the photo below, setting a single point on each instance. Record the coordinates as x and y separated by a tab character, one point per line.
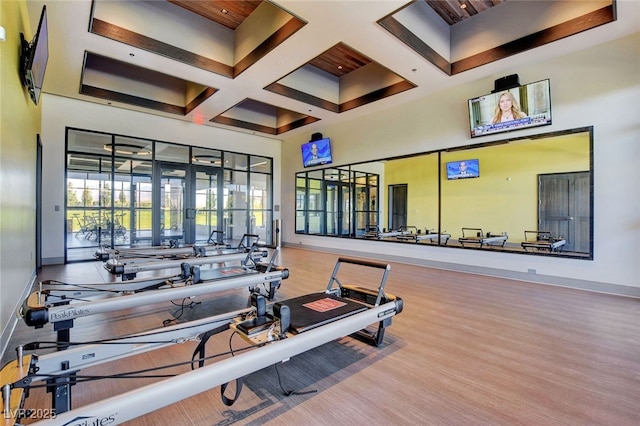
280	212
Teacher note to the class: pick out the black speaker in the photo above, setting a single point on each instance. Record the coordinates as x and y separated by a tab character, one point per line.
506	82
316	137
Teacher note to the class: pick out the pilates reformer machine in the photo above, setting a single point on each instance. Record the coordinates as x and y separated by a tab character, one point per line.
270	335
431	236
54	305
371	231
476	237
53	292
129	268
434	236
542	241
403	231
214	245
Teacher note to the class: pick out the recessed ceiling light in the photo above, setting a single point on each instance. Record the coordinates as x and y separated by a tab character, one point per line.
463	6
206	159
126	149
224	11
339	67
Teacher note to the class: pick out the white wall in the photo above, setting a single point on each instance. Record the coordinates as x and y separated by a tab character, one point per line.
59	113
597	87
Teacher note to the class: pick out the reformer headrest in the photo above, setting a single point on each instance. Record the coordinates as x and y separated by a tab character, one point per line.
283	313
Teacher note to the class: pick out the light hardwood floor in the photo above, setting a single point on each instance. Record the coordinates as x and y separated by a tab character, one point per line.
466	350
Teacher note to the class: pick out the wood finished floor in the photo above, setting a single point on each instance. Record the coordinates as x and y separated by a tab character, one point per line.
466	350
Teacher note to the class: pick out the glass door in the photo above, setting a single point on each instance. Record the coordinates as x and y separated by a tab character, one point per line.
208	205
190	204
338	208
172	220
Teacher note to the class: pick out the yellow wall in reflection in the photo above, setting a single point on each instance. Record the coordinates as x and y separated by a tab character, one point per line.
503	199
421	176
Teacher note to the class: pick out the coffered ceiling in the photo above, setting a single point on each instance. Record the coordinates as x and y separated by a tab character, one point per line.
280	68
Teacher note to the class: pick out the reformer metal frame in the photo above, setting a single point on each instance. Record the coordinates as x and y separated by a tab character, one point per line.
431	236
63	315
37	317
481	239
279	346
213	246
64	365
51	292
405	230
542	240
128	269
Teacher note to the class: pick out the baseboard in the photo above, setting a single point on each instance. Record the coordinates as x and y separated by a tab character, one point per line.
595	286
13	319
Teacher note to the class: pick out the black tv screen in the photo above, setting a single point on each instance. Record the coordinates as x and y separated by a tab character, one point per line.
513	109
463	169
35	55
315	153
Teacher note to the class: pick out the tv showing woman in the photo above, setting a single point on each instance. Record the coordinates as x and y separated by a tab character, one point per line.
511	109
507	109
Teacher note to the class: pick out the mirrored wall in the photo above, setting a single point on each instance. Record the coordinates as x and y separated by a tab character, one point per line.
529	195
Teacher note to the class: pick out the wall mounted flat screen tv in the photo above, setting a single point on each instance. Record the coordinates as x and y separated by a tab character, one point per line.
463	169
34	58
518	108
315	153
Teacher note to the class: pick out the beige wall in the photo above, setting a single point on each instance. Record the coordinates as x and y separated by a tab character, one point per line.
18	132
597	87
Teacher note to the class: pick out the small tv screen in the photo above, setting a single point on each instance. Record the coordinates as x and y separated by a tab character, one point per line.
463	169
315	153
513	109
35	55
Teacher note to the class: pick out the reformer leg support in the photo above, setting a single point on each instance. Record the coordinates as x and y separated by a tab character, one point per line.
60	389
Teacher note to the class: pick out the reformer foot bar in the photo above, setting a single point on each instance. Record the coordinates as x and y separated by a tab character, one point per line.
173	251
294	326
129	269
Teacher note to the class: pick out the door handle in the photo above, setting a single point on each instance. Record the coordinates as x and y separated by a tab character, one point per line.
191	213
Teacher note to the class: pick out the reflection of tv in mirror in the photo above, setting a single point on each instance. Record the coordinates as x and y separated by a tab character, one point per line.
513	109
315	153
463	169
